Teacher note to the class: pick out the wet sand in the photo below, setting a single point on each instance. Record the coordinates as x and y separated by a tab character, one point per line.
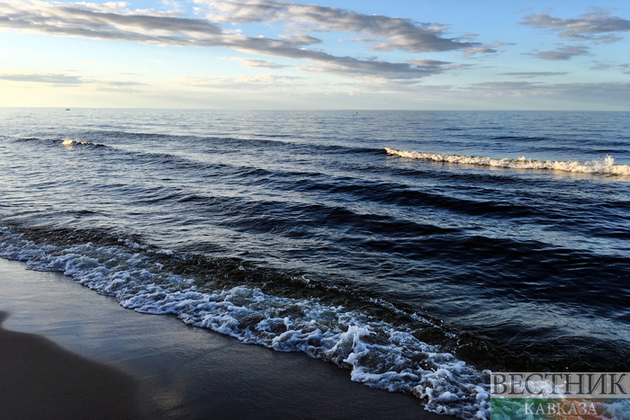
39	380
67	352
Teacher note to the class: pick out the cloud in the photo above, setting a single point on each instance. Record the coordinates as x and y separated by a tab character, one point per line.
248	62
78	20
51	78
117	86
624	68
618	90
597	25
260	81
397	33
120	84
414	69
488	48
602	67
118	23
562	53
503	88
68	80
121	8
475	50
300	39
436	66
504	95
613	96
532	74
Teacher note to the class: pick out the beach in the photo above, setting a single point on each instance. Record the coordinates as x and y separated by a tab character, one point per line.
67	352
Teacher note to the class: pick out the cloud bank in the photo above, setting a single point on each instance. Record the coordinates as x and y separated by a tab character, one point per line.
598	25
64	79
562	53
56	79
389	33
114	21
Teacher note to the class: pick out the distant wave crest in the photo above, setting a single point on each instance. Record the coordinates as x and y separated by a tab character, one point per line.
67	143
70	143
603	167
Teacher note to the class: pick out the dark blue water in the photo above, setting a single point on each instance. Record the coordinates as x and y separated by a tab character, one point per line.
503	243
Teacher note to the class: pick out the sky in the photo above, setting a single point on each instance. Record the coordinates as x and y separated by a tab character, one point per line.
317	54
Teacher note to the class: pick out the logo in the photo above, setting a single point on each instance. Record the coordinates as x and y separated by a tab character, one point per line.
560	395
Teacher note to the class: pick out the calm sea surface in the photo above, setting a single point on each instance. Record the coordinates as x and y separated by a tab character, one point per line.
419	249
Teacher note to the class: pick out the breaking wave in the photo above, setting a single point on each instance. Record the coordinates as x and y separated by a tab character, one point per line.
605	167
71	143
378	353
67	143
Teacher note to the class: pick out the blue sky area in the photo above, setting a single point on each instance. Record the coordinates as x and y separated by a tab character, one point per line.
333	54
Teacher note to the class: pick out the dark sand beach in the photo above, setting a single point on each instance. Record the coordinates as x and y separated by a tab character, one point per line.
66	352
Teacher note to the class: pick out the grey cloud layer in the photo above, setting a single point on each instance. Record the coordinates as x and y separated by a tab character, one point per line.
56	79
597	25
413	70
68	20
78	20
398	33
532	74
562	53
615	94
63	79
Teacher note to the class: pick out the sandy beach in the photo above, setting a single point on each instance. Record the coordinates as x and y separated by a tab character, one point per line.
67	352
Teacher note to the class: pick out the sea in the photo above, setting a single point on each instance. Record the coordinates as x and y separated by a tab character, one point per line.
420	250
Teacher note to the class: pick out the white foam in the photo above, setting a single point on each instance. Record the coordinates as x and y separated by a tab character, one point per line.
71	143
606	166
378	354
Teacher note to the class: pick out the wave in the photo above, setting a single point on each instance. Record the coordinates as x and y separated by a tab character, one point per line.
604	167
68	143
379	353
233	144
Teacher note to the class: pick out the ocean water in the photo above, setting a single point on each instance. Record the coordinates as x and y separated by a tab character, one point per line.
420	250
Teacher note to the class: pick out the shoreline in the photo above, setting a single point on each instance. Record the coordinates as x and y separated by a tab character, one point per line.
156	367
